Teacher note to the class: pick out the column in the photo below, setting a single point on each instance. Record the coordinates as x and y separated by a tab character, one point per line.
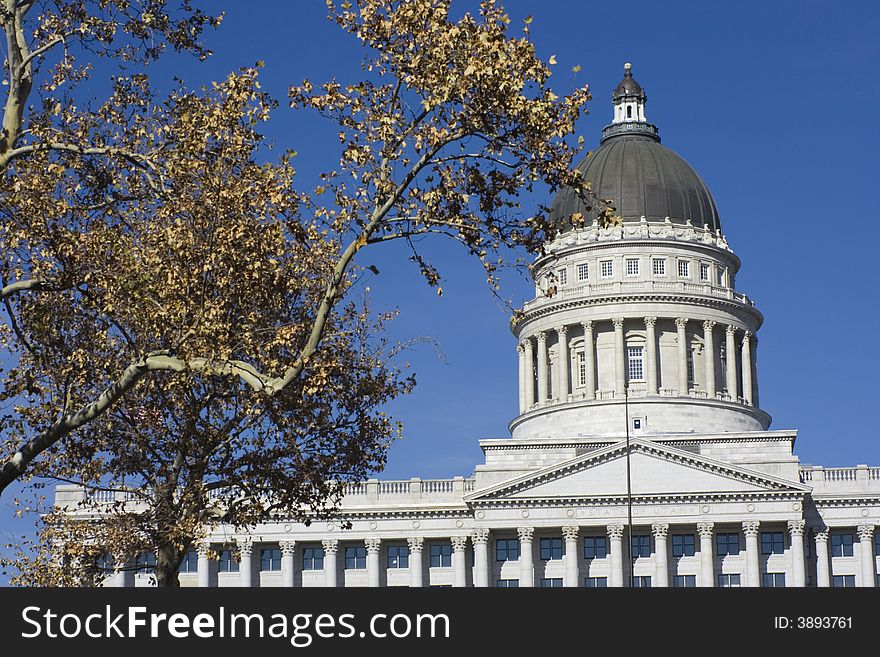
707	564
590	359
731	362
615	545
124	565
526	569
373	546
246	565
709	341
570	534
523	378
753	569
480	537
681	326
823	571
459	569
542	368
755	378
798	567
288	550
562	386
203	549
661	558
331	568
651	355
619	358
866	552
747	367
416	547
529	373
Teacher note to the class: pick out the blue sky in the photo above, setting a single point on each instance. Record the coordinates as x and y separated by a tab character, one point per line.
775	106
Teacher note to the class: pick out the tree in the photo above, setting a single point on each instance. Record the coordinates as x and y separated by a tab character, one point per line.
202	314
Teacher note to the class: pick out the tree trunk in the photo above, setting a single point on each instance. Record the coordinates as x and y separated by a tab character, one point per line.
168	559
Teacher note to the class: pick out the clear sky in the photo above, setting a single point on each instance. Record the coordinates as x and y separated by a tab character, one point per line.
773	103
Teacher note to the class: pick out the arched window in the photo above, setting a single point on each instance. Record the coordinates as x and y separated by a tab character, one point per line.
629	111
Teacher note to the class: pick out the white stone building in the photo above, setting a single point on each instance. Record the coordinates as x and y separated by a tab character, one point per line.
638	331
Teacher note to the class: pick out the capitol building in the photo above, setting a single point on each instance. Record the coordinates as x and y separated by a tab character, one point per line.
641	455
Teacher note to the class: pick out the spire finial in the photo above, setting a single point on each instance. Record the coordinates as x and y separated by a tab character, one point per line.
627	70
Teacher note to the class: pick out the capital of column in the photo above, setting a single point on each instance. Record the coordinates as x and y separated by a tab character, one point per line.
681	322
288	548
731	329
650	322
373	545
480	535
618	323
708	325
203	549
705	529
526	533
660	529
588	325
822	536
459	543
331	545
562	330
866	532
521	348
747	336
416	543
751	527
245	546
615	532
542	337
571	532
796	527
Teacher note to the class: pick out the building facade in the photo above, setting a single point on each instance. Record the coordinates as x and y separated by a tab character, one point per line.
637	363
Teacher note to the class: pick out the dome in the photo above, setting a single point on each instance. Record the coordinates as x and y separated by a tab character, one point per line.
628	87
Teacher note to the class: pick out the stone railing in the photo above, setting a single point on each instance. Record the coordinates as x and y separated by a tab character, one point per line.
665	230
858	479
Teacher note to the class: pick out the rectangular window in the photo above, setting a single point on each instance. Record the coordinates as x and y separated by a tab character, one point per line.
562	275
842	544
704	272
643	582
683	545
398	556
658	266
721	271
727	544
684	269
690	367
441	556
632	266
596	582
506	549
270	559
595	547
582	368
551	583
190	563
641	545
227	563
773	580
313	558
728	581
146	563
355	557
607	268
635	364
772	543
684	581
507	584
551	548
843	581
584	271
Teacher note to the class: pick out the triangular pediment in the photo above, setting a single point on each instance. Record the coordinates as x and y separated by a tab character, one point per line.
656	470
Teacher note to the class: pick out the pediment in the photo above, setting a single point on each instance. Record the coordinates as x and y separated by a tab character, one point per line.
656	470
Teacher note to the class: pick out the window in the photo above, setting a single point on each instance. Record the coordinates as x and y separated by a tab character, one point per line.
146	563
772	543
607	268
629	111
641	545
355	557
635	364
684	269
658	266
721	271
313	558
227	563
728	581
506	549
105	563
270	559
507	584
190	563
553	583
632	266
843	581
684	581
643	582
773	580
637	423
841	545
582	368
551	548
398	556
562	275
441	556
704	271
584	271
595	547
876	546
596	582
727	544
683	545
